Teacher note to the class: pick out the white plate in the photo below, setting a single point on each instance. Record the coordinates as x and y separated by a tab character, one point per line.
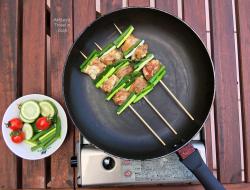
23	150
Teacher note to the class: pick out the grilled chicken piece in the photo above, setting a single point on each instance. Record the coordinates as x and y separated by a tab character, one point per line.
140	52
112	57
121	96
94	68
124	71
129	42
139	84
151	68
110	83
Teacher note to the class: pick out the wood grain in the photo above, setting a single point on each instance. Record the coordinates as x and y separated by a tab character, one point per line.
34	76
9	44
167	5
62	175
226	102
110	5
138	3
84	14
194	14
243	28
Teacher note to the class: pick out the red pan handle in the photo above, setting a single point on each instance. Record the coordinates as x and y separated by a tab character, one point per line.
191	158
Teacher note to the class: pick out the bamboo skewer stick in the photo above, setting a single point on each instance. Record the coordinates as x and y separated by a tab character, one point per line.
140	117
168	90
150	104
176	100
160	115
147	125
85	57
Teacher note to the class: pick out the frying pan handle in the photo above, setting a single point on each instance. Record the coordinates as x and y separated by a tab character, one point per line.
197	166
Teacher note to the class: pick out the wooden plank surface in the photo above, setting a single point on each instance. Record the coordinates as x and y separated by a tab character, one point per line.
243	29
194	14
62	175
34	76
167	5
138	3
226	102
9	60
84	14
110	5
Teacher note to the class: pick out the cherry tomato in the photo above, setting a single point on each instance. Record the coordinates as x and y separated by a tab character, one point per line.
17	136
15	124
43	123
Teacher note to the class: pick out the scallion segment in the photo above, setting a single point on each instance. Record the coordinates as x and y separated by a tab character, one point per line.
119	41
138	66
91	57
129	100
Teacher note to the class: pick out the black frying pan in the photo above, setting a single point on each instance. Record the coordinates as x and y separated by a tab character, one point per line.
190	75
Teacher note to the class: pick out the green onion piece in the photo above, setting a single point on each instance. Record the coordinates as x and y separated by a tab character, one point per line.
119	41
138	66
58	127
159	77
90	58
153	78
114	91
105	77
41	144
143	93
41	133
127	53
45	146
47	134
129	100
107	49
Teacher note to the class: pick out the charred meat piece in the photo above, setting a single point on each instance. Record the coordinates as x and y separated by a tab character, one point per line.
151	68
124	71
130	41
110	83
140	52
121	96
139	84
94	68
112	57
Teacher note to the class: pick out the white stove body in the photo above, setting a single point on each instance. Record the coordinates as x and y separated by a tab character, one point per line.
162	170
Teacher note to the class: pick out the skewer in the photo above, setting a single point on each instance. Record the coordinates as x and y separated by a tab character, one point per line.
176	100
168	90
85	57
140	117
147	125
160	115
152	106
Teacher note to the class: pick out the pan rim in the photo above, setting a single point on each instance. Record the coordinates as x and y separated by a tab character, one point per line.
144	8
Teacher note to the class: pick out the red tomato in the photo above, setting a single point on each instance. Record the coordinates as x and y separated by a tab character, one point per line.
15	124
17	136
43	123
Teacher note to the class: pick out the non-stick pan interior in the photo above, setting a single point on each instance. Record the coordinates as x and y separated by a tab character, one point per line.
189	76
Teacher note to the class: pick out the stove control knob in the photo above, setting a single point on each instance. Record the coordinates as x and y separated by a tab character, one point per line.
108	163
73	161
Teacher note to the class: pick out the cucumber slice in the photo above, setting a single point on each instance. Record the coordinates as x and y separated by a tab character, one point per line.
47	109
30	110
26	120
28	131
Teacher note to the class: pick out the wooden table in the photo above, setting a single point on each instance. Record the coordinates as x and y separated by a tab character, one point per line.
35	37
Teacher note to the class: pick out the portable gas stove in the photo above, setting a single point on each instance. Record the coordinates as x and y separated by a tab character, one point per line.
97	168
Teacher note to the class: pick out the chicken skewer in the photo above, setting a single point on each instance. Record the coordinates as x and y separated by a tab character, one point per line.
141	118
168	90
151	105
